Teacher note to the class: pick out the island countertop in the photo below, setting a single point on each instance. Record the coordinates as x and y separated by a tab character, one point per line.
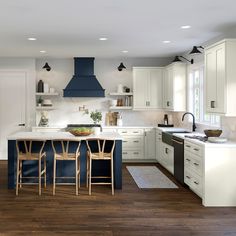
62	135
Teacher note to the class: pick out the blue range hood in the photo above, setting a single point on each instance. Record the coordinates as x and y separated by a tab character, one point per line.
84	82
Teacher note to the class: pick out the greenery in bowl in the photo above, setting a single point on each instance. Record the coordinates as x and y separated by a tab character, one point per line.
96	116
81	131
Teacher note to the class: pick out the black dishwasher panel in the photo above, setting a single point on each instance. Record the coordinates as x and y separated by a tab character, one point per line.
178	144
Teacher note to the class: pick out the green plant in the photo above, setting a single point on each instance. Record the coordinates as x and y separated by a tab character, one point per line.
96	116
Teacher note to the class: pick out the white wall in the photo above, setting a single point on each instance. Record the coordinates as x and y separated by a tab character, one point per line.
106	71
27	65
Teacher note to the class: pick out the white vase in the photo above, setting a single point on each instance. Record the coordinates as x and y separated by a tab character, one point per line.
96	130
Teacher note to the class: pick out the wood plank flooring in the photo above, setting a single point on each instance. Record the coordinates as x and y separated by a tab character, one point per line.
130	212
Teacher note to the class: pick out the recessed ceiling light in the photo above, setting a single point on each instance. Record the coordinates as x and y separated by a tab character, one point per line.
42	51
103	38
185	26
125	51
32	39
166	41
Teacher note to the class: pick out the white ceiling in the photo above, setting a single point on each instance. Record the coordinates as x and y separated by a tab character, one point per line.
68	28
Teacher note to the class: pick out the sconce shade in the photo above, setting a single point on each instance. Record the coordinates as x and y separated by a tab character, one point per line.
195	50
47	67
176	59
121	67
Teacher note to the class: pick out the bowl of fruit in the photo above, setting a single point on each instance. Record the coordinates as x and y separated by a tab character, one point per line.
81	131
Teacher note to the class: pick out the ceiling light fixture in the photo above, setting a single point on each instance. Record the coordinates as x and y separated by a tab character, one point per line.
166	41
195	50
185	27
42	51
103	39
32	39
125	51
121	67
177	59
47	67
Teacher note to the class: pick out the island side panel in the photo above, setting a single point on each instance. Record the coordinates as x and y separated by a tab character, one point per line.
11	164
118	164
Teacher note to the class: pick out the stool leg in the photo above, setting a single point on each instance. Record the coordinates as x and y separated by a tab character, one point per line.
79	171
17	176
54	175
76	176
21	164
90	174
45	172
40	176
112	177
87	171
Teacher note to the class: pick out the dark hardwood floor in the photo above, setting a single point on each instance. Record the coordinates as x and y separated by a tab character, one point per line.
131	211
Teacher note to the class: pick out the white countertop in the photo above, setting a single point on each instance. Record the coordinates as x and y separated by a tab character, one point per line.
62	135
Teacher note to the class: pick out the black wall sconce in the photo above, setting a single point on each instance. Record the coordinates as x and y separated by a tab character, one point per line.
177	59
47	67
121	67
195	50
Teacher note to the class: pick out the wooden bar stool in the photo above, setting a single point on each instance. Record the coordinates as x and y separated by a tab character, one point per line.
61	149
24	153
99	153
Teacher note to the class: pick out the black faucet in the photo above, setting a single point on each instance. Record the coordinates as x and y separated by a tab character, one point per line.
194	125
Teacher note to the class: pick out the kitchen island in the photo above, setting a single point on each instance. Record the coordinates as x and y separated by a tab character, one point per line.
64	168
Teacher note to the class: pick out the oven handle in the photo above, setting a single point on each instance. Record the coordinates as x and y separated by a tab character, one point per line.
177	141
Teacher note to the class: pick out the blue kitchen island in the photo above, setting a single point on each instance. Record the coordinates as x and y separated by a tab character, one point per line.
64	168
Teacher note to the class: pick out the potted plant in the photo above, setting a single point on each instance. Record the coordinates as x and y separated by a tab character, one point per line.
96	116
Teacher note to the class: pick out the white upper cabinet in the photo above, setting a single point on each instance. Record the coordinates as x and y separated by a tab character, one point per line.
220	71
147	88
174	87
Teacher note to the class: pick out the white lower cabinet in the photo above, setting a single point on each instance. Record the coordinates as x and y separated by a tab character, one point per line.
158	145
167	157
150	147
138	144
193	169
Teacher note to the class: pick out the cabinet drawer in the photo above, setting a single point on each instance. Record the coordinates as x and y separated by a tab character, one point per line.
194	181
132	154
134	142
193	148
131	131
193	162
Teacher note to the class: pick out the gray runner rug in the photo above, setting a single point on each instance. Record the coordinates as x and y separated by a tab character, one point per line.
150	177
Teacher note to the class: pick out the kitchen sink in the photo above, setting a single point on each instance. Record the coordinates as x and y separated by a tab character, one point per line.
178	131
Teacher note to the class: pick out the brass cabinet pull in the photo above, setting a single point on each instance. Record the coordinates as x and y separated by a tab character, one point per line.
196	182
196	164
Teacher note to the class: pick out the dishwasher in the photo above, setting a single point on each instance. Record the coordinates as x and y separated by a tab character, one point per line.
178	144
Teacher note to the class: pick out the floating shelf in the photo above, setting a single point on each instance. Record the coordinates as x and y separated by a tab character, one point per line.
121	108
44	108
47	94
121	94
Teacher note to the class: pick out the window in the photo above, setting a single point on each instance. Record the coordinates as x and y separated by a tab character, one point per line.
196	97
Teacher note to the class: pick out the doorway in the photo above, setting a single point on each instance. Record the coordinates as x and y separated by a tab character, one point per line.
12	106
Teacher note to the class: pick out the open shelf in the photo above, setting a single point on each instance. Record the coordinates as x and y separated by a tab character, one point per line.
45	108
121	94
47	94
121	108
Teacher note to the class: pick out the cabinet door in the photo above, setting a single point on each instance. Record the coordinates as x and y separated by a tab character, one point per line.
150	147
168	88
140	88
155	88
158	145
168	155
215	79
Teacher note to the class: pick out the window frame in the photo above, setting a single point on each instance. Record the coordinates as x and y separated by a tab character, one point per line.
214	119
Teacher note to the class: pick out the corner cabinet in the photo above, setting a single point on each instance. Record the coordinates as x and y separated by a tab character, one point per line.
174	87
220	73
147	88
